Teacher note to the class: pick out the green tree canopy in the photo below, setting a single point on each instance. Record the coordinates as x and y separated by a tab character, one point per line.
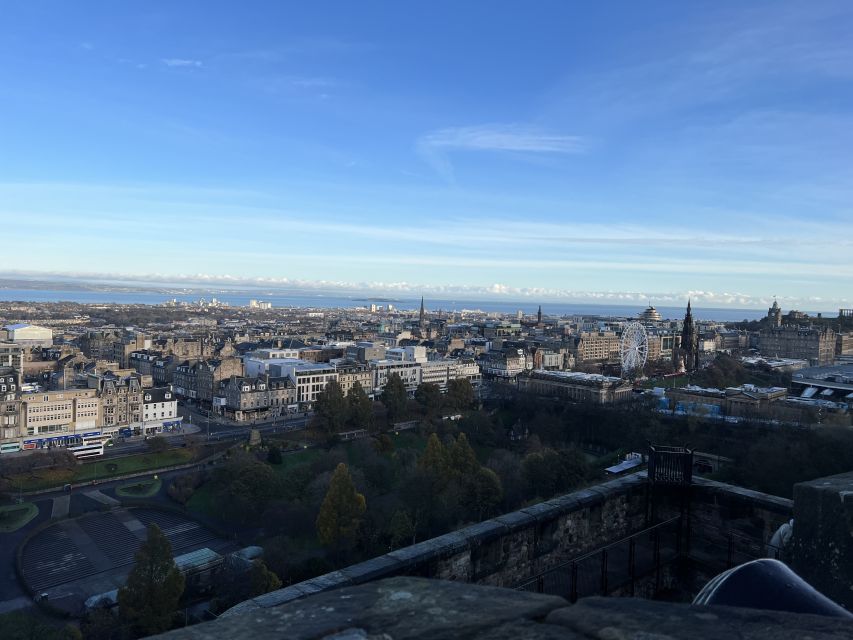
149	598
341	511
331	411
395	397
434	458
360	407
428	395
274	454
460	394
463	460
549	472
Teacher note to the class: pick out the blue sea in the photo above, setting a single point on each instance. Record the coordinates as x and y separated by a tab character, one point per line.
320	301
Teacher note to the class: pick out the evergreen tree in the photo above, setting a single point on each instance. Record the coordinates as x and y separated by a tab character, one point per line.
434	458
395	397
463	460
360	407
460	393
262	580
149	598
482	492
428	396
341	511
274	455
331	411
401	528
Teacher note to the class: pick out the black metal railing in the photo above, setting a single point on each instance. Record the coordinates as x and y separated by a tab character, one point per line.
670	465
723	548
614	566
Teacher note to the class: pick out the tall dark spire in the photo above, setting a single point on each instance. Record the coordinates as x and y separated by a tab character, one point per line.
690	341
539	315
422	316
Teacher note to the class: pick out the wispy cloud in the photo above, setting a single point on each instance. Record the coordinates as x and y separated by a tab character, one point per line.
494	291
434	146
181	62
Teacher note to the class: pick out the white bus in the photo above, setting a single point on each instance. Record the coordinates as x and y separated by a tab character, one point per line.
93	445
83	451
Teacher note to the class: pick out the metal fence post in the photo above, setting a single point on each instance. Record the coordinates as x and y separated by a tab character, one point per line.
573	594
632	559
730	552
540	584
604	572
657	559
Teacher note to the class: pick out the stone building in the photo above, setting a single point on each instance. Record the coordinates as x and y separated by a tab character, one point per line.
58	418
815	344
121	400
441	372
209	373
350	372
244	398
10	406
159	405
596	346
12	356
581	387
686	354
127	344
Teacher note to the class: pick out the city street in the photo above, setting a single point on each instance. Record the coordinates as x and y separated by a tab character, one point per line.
217	429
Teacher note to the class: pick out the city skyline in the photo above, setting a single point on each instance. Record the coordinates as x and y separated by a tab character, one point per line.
607	155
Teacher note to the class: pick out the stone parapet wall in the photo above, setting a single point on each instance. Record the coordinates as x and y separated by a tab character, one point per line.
412	608
506	550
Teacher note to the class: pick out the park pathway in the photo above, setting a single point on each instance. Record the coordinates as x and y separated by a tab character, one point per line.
61	504
101	497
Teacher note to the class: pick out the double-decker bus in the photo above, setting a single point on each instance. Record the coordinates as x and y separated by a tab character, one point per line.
92	446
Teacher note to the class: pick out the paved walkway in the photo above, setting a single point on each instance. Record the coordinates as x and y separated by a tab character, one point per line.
61	504
14	604
101	497
131	523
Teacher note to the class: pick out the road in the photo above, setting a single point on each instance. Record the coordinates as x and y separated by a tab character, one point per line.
217	430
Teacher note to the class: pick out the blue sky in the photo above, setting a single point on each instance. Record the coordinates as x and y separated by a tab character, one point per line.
591	151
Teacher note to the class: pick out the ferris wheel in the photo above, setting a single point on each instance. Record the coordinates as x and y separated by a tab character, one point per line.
633	349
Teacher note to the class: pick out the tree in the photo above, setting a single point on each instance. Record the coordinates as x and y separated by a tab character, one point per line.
401	528
331	409
460	393
549	472
341	511
482	492
463	460
149	598
394	397
434	458
360	407
428	396
274	455
237	584
157	444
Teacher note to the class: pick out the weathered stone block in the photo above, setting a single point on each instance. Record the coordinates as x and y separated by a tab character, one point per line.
633	618
822	545
398	608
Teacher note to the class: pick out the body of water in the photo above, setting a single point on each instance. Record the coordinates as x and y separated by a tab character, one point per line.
242	298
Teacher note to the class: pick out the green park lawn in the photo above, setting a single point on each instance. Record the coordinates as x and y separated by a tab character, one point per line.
98	470
109	468
141	489
15	516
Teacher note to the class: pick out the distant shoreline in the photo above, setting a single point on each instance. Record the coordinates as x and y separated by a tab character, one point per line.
237	299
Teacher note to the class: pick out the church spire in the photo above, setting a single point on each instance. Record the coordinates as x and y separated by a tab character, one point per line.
539	315
422	315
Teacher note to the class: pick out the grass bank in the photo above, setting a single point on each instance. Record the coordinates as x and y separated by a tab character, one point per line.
15	516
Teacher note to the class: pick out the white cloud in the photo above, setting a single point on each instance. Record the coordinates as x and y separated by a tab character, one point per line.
493	137
495	292
181	62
